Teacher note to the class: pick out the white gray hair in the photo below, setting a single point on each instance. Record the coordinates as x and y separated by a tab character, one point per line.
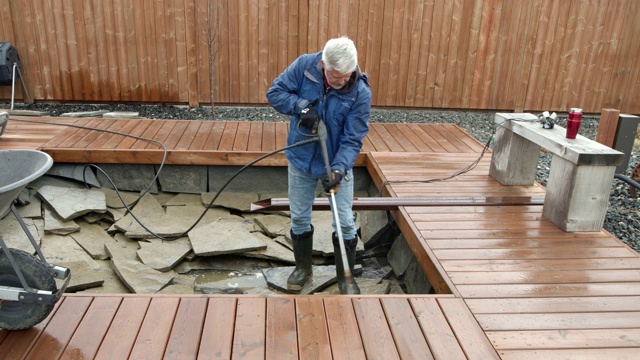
340	54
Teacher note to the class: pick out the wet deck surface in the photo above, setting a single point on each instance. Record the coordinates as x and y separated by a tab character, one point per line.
520	288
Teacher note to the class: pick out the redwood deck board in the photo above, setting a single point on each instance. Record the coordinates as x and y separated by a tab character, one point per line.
520	287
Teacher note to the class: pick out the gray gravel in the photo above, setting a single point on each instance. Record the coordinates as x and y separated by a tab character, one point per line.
623	216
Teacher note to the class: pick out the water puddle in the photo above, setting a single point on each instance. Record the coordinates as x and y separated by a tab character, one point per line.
228	282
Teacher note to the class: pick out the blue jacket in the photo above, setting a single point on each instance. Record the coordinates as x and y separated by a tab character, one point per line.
345	113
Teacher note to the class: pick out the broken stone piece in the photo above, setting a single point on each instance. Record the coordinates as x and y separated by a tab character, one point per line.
322	277
227	235
14	236
237	201
70	203
163	255
54	224
82	276
91	238
274	251
139	278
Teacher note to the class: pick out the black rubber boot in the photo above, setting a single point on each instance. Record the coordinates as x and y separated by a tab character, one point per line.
346	286
303	252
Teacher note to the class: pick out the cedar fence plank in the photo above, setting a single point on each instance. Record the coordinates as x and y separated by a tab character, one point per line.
608	126
217	332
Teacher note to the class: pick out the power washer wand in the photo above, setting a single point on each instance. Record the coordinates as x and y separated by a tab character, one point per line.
350	283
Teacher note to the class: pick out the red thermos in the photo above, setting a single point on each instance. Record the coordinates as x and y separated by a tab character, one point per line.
573	122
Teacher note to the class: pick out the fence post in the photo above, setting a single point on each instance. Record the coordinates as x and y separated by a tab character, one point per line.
618	131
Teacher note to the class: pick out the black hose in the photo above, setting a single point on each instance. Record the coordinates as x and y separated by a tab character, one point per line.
627	179
300	143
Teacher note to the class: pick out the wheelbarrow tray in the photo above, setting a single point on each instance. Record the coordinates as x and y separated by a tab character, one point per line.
17	169
26	305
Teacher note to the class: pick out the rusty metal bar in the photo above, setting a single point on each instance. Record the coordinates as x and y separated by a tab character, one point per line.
391	203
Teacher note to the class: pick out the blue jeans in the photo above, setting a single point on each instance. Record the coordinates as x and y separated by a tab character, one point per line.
302	193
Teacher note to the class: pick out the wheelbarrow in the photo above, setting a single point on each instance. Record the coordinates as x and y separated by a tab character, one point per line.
28	288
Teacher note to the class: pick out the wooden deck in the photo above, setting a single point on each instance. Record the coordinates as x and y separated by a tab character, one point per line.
510	283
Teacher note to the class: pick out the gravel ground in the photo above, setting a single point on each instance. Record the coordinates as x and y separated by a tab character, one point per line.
623	215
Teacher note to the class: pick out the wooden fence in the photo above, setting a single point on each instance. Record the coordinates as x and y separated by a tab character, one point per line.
518	55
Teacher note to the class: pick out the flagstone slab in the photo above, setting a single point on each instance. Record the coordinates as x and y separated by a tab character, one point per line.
163	255
323	230
78	172
91	238
170	224
122	247
138	277
54	224
229	263
273	225
322	277
82	276
227	235
238	201
114	201
15	237
83	114
32	209
63	249
112	283
274	251
366	286
70	203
